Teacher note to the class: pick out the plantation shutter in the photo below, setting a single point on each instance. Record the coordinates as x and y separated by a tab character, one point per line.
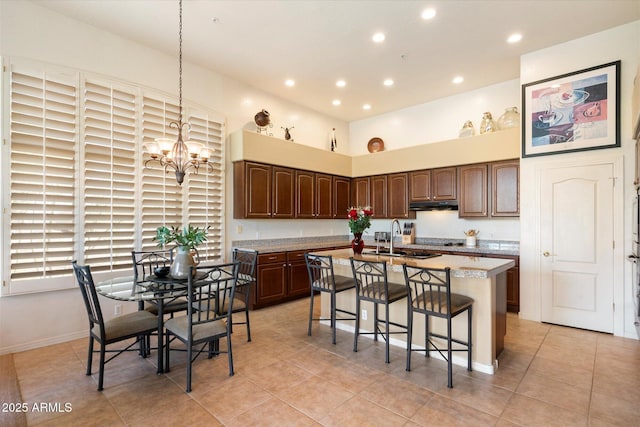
161	195
206	189
109	141
42	160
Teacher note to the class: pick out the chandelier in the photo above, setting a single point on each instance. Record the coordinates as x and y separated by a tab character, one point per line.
179	156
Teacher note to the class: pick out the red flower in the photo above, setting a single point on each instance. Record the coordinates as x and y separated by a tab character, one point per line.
353	214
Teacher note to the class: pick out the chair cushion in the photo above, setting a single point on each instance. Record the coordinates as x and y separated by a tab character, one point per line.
168	308
238	305
395	291
127	325
343	283
243	277
458	302
179	326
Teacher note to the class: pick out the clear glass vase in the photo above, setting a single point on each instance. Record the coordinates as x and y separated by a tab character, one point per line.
487	124
509	119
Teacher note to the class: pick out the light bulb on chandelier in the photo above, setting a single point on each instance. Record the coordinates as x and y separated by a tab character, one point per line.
180	156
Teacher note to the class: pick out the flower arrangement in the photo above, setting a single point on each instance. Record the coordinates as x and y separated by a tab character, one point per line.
359	219
188	237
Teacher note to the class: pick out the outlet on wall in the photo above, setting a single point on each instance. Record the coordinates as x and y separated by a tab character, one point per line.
364	315
117	310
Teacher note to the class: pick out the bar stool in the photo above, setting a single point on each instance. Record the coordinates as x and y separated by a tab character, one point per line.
322	279
372	285
429	292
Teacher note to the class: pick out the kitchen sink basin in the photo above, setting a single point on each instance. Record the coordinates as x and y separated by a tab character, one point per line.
407	253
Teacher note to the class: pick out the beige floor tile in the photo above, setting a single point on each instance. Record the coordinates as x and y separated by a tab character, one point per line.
614	410
357	412
397	395
273	412
477	394
441	411
562	371
315	397
561	394
526	411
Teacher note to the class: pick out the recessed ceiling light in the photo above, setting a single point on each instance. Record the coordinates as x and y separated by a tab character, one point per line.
388	82
366	107
378	37
336	102
458	79
341	83
428	14
514	38
290	82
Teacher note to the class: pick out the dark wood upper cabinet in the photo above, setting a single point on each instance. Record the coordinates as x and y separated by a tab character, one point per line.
505	188
341	196
490	189
379	190
360	191
252	190
474	185
324	196
444	184
398	197
305	194
282	199
420	186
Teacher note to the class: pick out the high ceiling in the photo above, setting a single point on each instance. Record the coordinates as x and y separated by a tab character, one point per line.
317	42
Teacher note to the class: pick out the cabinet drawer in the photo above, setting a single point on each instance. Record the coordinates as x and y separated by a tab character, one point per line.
296	255
272	257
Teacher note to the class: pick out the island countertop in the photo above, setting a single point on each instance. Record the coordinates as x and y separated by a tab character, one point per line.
461	266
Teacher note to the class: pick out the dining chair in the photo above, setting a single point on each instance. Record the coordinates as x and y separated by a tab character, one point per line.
323	279
139	324
247	260
430	294
372	285
204	325
144	265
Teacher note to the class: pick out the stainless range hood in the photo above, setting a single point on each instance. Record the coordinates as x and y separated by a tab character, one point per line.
442	205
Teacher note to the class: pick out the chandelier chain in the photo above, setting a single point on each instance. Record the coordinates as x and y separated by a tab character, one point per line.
180	70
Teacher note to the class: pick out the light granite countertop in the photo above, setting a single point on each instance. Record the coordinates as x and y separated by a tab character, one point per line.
488	247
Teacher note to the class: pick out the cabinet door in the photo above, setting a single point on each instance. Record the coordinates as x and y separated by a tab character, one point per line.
341	196
473	191
257	190
271	278
361	188
399	195
324	196
420	186
505	188
298	277
513	290
283	192
305	194
444	184
379	196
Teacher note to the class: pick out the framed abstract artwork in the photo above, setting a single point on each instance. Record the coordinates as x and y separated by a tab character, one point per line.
572	112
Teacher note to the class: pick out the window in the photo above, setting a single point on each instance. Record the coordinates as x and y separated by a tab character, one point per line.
78	187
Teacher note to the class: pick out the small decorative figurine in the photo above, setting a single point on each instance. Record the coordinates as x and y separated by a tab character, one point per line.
467	129
287	133
334	143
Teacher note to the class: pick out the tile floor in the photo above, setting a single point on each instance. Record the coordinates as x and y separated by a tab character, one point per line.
548	376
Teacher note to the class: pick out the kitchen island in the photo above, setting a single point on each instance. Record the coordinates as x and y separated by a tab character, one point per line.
483	279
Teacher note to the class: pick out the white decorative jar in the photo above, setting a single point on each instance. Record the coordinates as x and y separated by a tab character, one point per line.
182	262
471	241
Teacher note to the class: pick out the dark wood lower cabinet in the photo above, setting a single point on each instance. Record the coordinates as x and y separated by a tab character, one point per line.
280	277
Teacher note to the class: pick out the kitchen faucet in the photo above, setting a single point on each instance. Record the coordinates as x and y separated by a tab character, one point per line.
395	221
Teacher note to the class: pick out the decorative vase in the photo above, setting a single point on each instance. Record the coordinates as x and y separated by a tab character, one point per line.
471	241
262	119
487	124
467	129
357	244
509	119
182	262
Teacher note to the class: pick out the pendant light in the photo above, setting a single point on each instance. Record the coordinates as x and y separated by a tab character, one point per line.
179	156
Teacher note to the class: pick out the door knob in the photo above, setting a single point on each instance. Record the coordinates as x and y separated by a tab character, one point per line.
545	253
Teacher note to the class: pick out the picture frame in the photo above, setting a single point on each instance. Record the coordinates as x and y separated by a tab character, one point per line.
572	112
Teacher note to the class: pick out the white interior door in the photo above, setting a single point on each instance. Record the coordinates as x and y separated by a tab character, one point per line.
577	237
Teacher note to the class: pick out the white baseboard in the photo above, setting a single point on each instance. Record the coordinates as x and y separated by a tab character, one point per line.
43	343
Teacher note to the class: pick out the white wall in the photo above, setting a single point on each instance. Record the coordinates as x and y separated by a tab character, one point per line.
619	43
30	31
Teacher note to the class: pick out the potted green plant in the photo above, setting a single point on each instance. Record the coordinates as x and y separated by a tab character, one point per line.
187	239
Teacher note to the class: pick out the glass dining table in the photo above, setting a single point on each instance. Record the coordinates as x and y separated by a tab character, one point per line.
157	290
